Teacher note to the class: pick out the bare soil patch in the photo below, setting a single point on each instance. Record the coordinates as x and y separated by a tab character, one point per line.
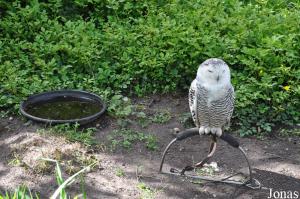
133	173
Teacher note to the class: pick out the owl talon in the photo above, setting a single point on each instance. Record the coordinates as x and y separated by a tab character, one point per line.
219	132
213	131
207	130
201	130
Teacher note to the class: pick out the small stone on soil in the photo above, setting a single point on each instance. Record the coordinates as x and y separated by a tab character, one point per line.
28	123
176	130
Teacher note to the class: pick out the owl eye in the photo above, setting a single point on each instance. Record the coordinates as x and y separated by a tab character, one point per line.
209	71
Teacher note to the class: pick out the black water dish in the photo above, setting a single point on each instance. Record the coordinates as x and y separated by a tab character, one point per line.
63	106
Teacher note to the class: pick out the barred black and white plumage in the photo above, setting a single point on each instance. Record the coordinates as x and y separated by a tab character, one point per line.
211	97
221	110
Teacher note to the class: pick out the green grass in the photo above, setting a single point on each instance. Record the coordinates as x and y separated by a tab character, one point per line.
24	192
21	192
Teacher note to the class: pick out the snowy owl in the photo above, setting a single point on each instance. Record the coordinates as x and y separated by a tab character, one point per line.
211	97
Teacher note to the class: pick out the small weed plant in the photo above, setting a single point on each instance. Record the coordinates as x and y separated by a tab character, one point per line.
146	191
73	133
120	172
127	137
161	117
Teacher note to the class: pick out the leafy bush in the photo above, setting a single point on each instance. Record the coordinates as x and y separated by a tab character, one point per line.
113	47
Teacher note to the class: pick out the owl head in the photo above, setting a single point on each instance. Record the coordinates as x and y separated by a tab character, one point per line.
213	71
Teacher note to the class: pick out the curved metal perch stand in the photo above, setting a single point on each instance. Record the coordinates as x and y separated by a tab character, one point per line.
250	182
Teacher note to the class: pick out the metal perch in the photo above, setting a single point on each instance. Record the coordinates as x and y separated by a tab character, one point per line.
250	182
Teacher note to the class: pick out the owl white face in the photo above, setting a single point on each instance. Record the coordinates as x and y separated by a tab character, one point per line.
213	72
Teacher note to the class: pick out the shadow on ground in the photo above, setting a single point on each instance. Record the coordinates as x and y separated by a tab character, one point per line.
276	162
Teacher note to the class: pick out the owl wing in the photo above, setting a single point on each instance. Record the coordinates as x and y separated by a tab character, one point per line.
230	105
193	102
198	104
221	110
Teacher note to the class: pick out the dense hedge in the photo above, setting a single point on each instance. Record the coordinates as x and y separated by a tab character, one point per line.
138	47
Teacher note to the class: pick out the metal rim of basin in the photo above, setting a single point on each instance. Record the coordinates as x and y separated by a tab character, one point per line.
47	96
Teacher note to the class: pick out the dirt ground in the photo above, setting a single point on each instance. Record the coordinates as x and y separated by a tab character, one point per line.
134	173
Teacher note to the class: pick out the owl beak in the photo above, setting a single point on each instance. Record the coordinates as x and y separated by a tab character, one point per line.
218	78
